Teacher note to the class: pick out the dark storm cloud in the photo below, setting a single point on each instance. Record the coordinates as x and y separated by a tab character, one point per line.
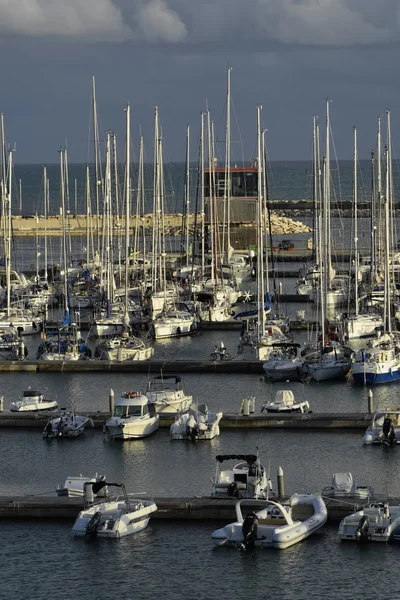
310	22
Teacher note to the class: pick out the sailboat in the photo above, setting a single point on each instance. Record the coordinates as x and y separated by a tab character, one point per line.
327	359
359	324
379	361
62	342
175	319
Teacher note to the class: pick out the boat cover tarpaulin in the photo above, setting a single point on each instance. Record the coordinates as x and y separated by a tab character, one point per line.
342	482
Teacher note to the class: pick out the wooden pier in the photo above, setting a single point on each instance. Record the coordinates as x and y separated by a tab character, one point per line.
52	507
311	421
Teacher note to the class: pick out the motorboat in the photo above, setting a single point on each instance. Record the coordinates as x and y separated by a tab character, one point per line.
384	429
132	417
285	402
73	486
275	526
33	401
196	424
112	517
344	487
67	425
246	479
377	522
167	394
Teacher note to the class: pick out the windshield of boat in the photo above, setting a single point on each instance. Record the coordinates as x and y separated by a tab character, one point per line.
128	411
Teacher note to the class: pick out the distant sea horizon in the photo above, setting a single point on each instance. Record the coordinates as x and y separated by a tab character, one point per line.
287	180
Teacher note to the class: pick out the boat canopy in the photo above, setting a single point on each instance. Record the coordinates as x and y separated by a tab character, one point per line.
249	458
132	399
158	378
30	393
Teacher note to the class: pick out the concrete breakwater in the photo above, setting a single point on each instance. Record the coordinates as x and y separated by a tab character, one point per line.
77	225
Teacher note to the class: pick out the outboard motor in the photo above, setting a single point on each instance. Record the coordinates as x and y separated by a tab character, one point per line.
362	529
388	432
249	531
93	525
233	490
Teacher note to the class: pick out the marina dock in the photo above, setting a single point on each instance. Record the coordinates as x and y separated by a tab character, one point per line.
310	421
186	509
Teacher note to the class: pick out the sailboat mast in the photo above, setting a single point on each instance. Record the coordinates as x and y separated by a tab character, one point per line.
260	273
96	160
211	195
88	215
156	201
45	190
327	198
355	223
227	180
8	253
187	195
62	194
202	194
379	197
387	249
127	203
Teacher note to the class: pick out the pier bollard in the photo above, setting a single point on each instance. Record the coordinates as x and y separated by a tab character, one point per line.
111	401
280	288
281	483
252	407
246	407
370	401
1	403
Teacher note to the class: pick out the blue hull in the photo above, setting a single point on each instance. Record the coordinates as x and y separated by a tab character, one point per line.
374	378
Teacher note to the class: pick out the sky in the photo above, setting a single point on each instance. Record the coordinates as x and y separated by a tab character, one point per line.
286	55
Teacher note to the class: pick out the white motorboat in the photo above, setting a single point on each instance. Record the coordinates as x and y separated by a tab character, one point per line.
246	479
73	486
67	425
133	417
276	526
33	401
377	522
285	402
198	424
343	487
384	429
112	518
168	395
361	326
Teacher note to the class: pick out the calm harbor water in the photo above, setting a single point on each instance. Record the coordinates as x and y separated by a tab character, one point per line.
177	560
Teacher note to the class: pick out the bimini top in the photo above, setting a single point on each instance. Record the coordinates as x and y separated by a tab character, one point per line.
176	378
249	458
132	399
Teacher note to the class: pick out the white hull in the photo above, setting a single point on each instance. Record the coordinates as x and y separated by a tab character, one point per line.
112	523
105	329
176	328
327	371
274	531
362	326
126	354
125	430
376	523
